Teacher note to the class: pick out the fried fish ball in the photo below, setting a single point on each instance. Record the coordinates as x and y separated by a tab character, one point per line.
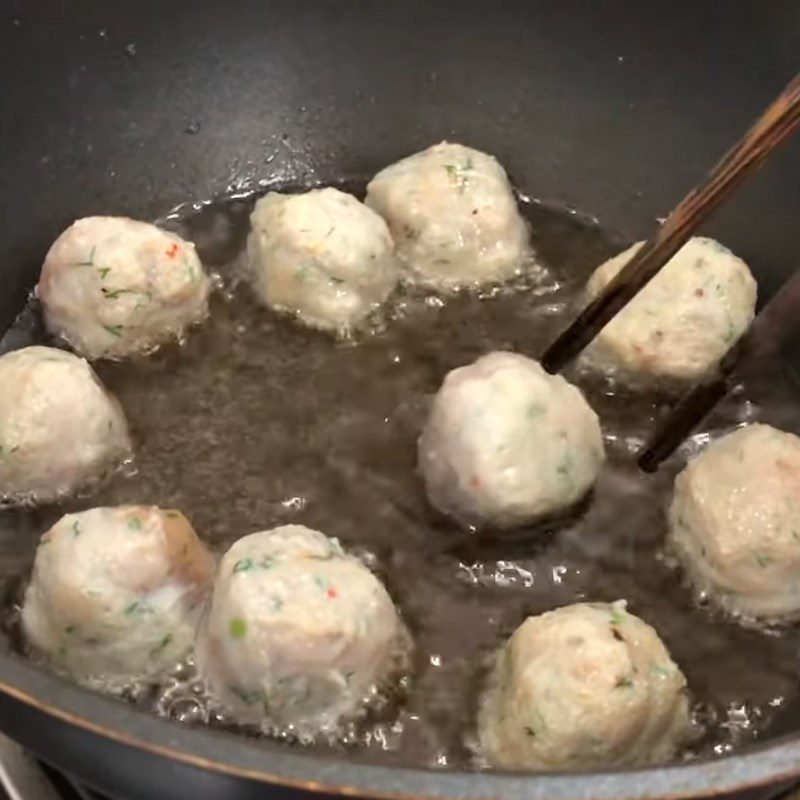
505	443
453	216
735	522
683	321
112	287
59	428
298	632
321	255
586	685
117	592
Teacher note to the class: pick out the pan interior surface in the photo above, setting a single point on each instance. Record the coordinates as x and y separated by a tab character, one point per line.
615	108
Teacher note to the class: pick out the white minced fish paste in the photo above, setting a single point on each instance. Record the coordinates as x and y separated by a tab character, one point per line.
506	444
584	686
60	430
735	523
453	216
116	593
298	633
112	287
683	321
322	256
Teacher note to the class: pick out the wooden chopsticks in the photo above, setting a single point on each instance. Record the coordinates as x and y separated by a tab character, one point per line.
780	120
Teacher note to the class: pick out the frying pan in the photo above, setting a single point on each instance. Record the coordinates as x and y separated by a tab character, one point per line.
614	108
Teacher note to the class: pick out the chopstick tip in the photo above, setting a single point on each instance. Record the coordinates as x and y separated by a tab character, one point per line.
555	357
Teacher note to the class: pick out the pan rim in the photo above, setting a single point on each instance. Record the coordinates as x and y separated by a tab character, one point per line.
242	758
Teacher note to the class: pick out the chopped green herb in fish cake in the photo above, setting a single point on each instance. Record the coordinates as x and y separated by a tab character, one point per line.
164	642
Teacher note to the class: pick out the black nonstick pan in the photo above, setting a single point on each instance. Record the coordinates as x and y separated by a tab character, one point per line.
614	109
